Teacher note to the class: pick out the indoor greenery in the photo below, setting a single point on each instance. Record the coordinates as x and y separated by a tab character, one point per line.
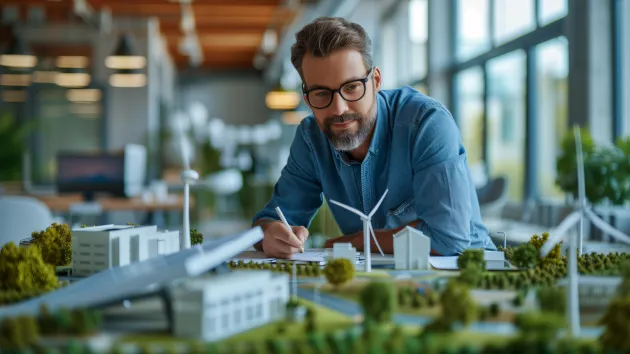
606	169
13	136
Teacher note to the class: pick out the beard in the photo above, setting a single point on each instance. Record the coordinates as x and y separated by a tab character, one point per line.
349	139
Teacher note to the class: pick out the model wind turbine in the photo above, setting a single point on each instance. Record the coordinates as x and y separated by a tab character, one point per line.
367	230
188	176
575	241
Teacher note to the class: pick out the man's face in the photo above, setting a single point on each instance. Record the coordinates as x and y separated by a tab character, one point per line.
346	124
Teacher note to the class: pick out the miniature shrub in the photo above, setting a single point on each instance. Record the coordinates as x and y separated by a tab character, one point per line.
339	271
552	299
55	244
458	306
22	269
378	300
615	322
539	325
494	309
525	256
196	238
471	258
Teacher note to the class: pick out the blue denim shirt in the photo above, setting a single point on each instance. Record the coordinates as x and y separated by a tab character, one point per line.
416	152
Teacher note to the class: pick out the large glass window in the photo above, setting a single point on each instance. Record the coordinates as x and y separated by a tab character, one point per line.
473	32
470	113
388	45
418	35
506	120
552	120
551	10
513	18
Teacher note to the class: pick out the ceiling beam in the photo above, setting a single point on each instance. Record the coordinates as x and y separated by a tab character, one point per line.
221	40
174	9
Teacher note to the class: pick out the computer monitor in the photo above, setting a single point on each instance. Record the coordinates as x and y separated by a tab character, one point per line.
91	173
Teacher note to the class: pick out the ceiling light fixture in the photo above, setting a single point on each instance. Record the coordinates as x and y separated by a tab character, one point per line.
72	62
18	56
84	95
282	100
124	56
73	77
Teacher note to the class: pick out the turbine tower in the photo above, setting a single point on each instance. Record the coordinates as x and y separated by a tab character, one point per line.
367	230
582	213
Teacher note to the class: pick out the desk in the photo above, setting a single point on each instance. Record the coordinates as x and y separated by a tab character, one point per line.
62	203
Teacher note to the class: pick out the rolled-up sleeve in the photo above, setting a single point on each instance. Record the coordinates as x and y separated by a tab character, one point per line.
441	182
298	191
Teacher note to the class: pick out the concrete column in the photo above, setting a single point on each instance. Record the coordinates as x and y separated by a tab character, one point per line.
440	51
590	85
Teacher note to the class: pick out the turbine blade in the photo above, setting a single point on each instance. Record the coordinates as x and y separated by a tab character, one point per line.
375	240
378	204
606	228
350	209
559	233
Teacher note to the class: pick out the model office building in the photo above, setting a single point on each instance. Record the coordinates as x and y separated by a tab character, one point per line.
214	308
98	248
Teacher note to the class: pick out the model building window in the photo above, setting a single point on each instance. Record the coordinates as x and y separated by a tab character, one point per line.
259	310
226	320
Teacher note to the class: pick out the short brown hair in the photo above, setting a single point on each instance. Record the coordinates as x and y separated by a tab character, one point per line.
325	35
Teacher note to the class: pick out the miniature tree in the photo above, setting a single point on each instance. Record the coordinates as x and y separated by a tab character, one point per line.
615	321
63	320
10	334
525	256
624	288
554	257
339	271
311	320
46	321
196	237
472	258
55	244
539	326
22	269
458	306
378	300
28	329
552	299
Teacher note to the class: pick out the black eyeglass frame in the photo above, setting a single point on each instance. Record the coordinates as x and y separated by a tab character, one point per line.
363	81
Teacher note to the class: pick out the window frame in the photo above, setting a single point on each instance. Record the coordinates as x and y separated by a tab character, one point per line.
616	21
527	42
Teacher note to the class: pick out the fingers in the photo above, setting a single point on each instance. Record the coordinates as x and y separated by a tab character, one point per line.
301	232
289	238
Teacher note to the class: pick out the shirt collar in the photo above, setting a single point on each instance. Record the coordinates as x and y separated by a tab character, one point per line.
380	132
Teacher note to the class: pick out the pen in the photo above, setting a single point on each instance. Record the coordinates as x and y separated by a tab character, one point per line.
286	223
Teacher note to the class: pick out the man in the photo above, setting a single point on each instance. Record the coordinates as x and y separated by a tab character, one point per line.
361	141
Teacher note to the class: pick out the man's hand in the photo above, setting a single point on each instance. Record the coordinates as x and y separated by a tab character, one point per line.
278	242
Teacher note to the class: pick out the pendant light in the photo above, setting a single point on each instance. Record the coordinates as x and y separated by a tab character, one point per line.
18	55
127	65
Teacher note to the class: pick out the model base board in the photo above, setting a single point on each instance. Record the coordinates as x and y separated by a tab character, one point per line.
252	305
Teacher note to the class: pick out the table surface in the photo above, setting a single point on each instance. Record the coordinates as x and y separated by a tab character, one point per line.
62	203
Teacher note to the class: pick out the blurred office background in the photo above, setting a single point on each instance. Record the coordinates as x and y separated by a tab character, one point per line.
128	88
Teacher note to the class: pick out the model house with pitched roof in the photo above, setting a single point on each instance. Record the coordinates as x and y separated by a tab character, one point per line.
412	249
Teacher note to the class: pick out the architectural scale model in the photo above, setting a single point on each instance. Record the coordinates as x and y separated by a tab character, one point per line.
344	250
367	230
98	248
412	249
214	308
595	291
582	214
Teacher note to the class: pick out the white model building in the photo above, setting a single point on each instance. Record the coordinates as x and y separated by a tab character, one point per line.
345	250
217	307
412	249
595	291
97	248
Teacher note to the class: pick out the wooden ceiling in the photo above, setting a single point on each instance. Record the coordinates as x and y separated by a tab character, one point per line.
229	32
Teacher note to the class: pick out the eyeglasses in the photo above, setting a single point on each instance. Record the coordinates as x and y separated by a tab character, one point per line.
350	91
